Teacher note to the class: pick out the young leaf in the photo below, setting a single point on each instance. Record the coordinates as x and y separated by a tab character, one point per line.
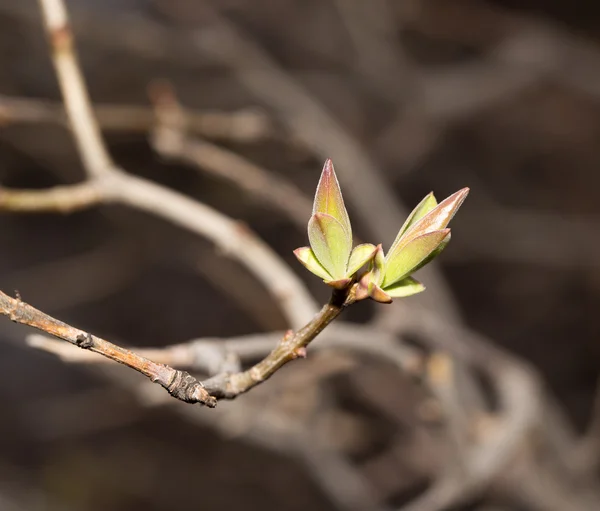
362	289
433	254
329	200
376	277
361	255
378	294
308	259
438	218
406	287
378	269
425	206
408	256
330	243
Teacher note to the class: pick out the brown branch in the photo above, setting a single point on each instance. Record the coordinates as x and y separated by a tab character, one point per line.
108	183
116	186
179	384
244	125
292	346
235	240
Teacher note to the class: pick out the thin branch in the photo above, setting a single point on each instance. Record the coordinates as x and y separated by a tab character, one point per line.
207	355
89	142
179	384
292	346
246	125
60	199
171	139
112	184
235	239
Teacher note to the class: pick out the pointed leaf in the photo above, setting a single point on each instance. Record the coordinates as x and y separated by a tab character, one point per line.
378	294
425	206
407	257
406	287
361	255
308	259
378	270
330	243
328	198
438	218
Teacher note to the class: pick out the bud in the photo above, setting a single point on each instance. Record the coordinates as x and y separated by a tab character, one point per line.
330	255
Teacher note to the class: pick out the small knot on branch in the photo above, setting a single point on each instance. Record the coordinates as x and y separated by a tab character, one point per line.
188	389
85	341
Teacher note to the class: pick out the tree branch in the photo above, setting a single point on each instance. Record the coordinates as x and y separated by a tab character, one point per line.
179	384
245	125
60	199
89	142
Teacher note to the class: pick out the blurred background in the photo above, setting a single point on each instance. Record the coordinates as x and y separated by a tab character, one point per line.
406	97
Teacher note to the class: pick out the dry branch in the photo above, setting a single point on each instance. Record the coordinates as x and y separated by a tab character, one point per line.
179	384
246	125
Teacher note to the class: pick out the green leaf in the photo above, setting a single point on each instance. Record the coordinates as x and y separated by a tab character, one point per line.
308	259
361	255
376	278
433	254
406	287
329	200
330	244
425	206
378	267
438	218
409	256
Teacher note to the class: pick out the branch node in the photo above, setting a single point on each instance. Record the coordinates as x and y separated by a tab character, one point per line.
255	374
300	352
186	388
61	38
85	341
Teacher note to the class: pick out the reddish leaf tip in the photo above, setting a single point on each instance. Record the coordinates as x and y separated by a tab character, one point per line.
328	168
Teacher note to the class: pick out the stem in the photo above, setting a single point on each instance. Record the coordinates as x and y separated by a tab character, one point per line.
179	384
292	346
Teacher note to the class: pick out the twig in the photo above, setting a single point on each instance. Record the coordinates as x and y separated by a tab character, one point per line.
60	199
171	139
112	184
85	129
234	239
208	354
244	125
179	384
289	348
116	186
